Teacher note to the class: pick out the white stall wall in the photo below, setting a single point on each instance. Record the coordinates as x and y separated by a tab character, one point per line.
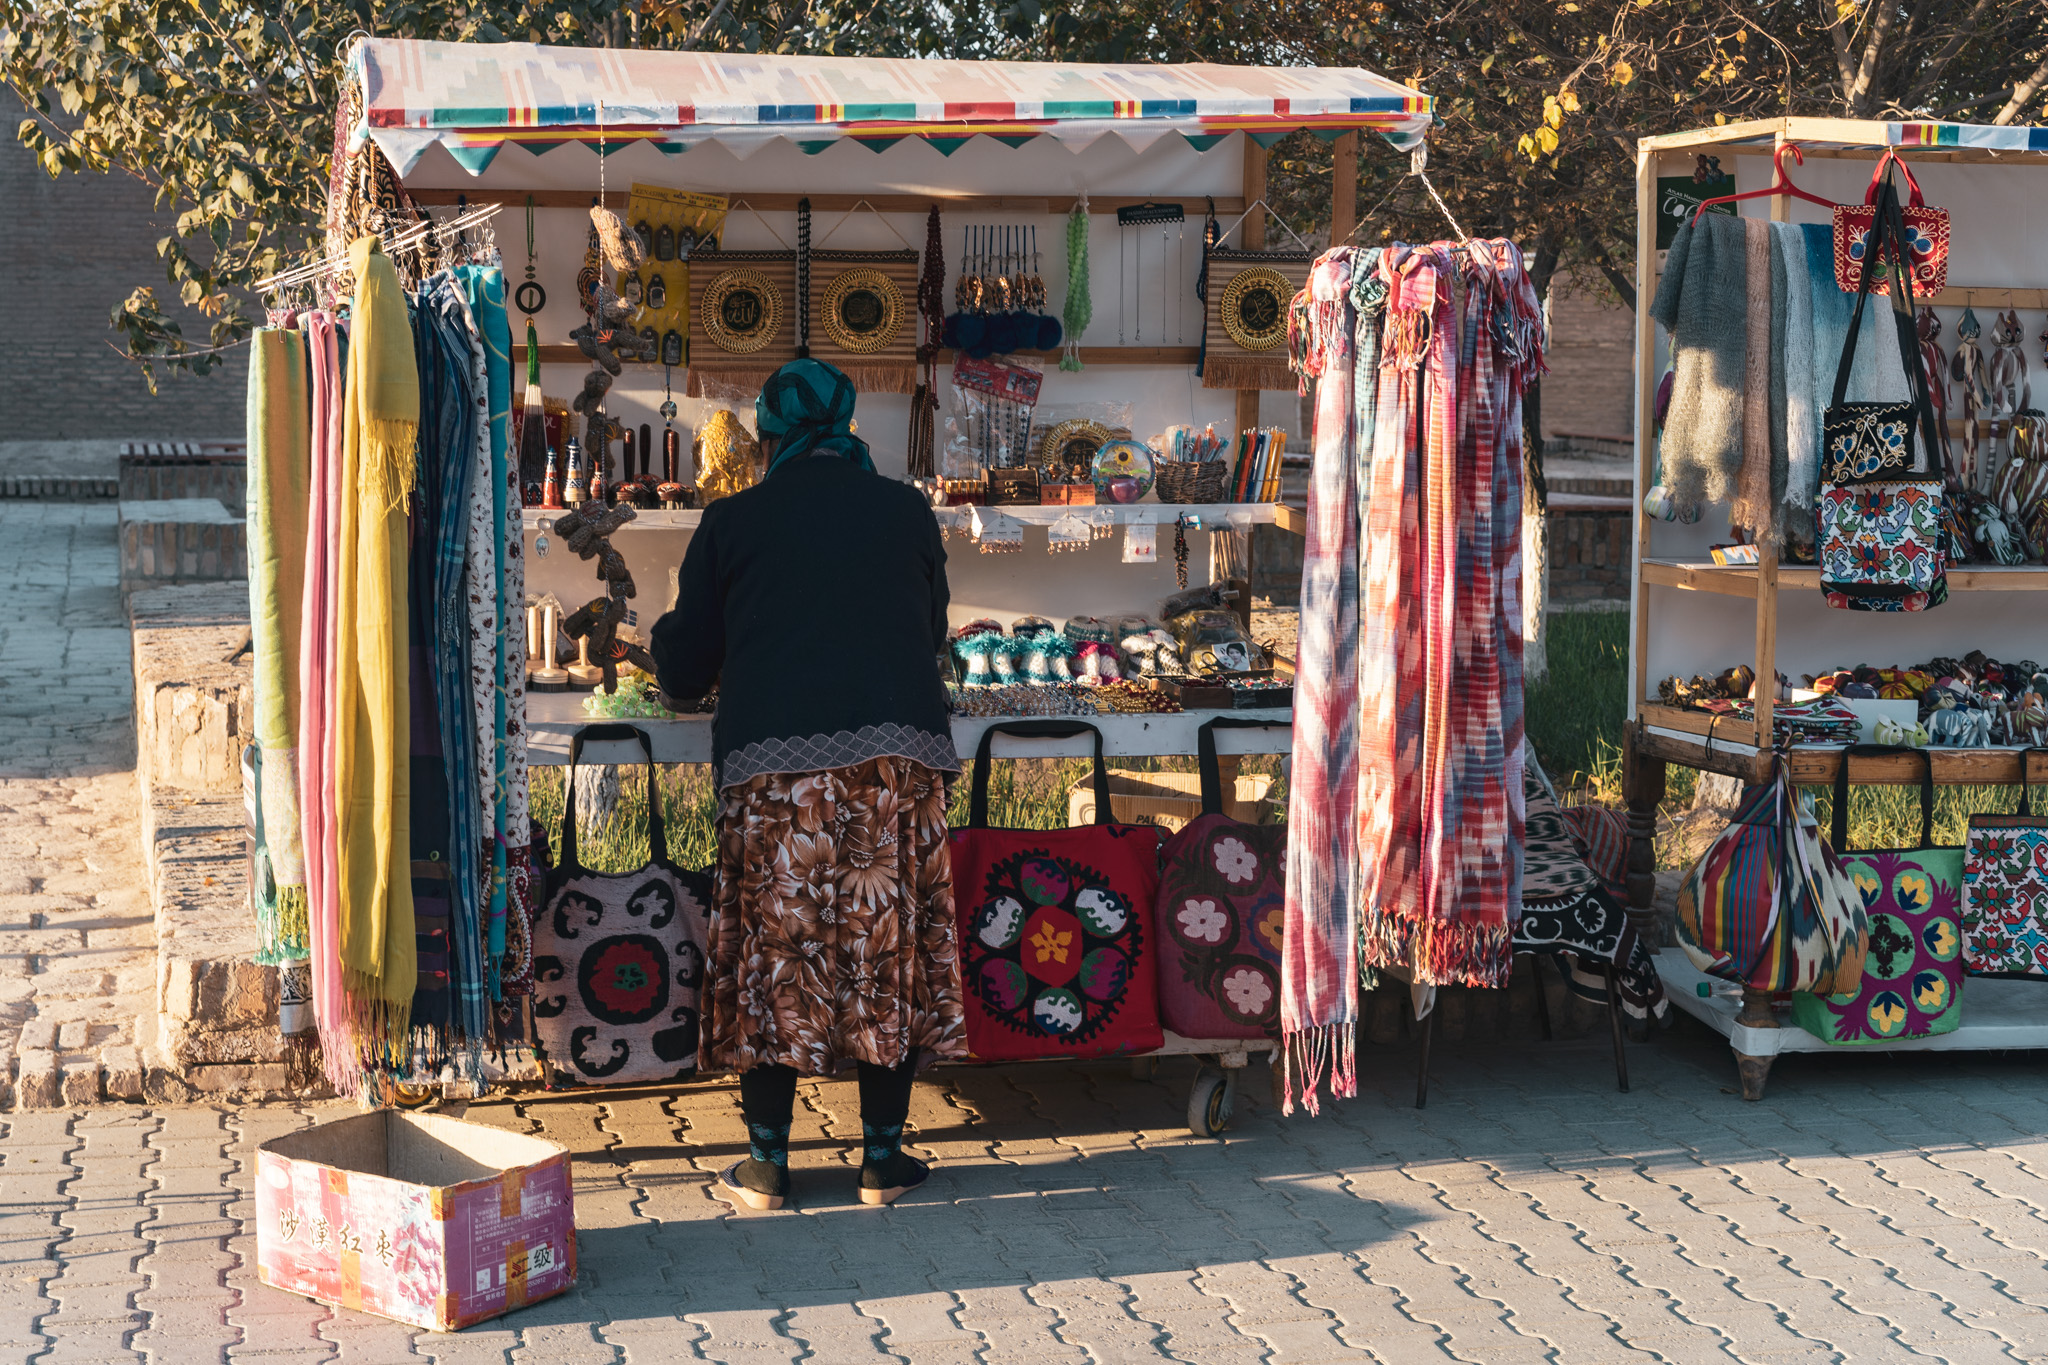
1142	288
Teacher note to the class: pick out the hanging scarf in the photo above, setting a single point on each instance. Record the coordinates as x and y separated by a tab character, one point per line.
1319	963
1701	302
1802	418
316	703
1753	506
371	676
454	405
513	891
1441	668
492	618
279	455
807	406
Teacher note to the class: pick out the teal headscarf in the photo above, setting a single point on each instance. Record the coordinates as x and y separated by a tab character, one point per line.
807	408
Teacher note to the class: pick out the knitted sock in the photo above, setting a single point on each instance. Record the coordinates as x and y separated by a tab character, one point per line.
767	1099
884	1105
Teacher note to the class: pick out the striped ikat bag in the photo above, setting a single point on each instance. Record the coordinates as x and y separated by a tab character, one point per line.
1767	905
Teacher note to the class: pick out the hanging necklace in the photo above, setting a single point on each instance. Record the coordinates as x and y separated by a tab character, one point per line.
530	297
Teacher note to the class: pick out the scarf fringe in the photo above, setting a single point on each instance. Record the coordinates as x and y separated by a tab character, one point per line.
379	1026
1311	1055
730	383
390	467
1248	372
1435	954
879	378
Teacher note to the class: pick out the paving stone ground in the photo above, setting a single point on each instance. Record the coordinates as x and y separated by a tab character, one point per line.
1872	1209
76	931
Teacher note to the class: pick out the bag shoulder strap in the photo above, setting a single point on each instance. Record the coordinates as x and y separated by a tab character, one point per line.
977	801
1205	754
1840	829
1888	234
657	832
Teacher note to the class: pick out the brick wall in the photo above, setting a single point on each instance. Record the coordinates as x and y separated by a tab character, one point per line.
70	249
1591	384
1589	554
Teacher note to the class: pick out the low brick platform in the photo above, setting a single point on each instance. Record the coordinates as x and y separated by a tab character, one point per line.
215	1022
181	540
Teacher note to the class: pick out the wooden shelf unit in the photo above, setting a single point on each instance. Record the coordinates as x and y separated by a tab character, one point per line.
1659	735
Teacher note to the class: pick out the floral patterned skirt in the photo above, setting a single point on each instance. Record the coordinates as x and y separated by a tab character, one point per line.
832	928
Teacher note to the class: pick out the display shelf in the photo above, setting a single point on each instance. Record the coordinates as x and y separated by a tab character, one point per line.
1740	580
1732	750
1234	515
1998	1014
568	353
552	718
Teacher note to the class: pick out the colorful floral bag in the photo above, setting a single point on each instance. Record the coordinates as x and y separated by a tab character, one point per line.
1767	906
619	957
1222	900
1055	925
2005	892
1880	510
1912	983
1925	237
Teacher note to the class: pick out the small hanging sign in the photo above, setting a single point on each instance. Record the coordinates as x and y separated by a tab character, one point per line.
1141	544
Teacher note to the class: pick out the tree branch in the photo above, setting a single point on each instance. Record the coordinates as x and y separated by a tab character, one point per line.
2023	95
1838	31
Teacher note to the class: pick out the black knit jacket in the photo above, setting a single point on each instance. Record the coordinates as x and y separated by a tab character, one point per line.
816	603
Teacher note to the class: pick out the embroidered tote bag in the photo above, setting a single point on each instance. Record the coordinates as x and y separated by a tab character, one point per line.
1055	925
1912	983
1767	906
1880	507
619	956
1222	899
2005	892
1926	238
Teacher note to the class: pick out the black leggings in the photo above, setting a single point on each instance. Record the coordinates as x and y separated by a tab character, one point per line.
768	1093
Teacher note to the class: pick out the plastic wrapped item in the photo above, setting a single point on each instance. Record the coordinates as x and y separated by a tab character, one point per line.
991	420
1069	434
1212	640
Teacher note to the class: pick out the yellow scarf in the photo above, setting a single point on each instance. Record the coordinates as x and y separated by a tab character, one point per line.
373	723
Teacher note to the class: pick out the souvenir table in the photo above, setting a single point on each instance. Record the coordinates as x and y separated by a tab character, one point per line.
849	156
1694	615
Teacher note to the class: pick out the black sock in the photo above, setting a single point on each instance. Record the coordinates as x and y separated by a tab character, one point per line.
767	1100
884	1105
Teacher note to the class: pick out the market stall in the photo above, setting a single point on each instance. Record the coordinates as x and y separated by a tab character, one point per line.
1053	287
1729	589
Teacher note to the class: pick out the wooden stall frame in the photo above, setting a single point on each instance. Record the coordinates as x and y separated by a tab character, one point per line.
1658	735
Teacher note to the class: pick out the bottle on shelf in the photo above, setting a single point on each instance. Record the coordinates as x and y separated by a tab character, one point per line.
551	491
575	491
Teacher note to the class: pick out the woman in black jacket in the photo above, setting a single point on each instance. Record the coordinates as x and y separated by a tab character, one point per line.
816	602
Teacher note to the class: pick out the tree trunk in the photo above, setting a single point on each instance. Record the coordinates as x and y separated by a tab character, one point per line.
1536	493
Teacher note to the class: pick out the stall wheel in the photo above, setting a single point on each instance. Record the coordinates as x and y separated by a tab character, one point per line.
1211	1101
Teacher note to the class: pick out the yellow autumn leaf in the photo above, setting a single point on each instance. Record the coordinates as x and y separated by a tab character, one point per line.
1552	114
1526	146
1570	100
1546	138
1621	73
1720	119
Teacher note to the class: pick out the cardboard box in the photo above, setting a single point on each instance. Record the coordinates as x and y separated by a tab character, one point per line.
428	1220
1170	800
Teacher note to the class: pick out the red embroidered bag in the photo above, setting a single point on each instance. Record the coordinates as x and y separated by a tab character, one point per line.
1222	900
1926	243
1055	925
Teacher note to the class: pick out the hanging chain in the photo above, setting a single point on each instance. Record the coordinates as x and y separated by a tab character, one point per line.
803	277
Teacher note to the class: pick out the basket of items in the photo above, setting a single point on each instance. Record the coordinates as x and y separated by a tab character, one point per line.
1191	467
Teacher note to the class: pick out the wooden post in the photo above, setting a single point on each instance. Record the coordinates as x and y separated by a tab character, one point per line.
1253	237
1645	415
1642	782
1767	582
1343	187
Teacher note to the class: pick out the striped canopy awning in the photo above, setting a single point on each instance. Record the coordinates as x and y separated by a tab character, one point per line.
474	98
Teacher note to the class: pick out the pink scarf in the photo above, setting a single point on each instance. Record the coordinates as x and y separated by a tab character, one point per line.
316	705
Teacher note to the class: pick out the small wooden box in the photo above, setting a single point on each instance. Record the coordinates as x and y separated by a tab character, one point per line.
1016	487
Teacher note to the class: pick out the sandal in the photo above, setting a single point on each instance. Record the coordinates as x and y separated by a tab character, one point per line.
729	1187
907	1174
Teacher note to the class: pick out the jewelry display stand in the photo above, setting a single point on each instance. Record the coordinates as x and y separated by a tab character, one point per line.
1689	615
